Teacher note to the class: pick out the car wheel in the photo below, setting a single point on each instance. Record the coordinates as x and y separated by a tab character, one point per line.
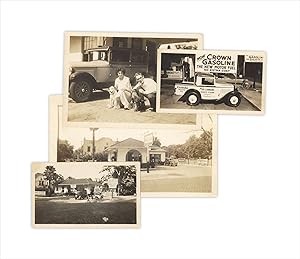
233	99
193	98
80	91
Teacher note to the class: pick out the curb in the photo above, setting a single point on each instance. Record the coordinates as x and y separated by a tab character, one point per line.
252	104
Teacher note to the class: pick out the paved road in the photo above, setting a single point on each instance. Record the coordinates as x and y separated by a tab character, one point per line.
182	178
169	100
97	111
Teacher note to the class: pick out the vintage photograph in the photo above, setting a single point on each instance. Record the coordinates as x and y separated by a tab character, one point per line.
174	161
211	81
111	77
83	195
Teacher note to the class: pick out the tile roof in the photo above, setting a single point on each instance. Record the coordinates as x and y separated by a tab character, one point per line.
129	142
83	181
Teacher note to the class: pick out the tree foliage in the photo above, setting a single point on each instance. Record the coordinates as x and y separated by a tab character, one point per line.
100	156
53	178
65	151
156	141
126	178
195	147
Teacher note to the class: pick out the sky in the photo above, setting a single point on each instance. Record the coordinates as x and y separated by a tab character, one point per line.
167	137
75	170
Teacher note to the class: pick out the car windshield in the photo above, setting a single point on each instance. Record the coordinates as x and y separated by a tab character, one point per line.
98	55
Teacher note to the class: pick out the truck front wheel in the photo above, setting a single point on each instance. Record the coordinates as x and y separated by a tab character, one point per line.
233	99
193	98
81	91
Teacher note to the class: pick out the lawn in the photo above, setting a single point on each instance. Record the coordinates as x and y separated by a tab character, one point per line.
55	211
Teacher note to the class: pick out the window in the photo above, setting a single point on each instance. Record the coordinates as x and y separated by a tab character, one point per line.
208	81
137	43
157	158
89	42
88	149
120	42
120	56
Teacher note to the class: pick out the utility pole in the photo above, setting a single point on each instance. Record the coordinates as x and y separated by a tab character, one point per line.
94	148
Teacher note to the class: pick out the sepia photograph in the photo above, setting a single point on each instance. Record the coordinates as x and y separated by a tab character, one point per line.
99	195
174	162
111	77
213	81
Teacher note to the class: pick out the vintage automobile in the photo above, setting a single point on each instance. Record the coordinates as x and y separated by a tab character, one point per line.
171	161
99	69
204	88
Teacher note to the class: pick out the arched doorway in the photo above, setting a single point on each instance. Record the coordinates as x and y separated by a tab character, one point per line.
133	155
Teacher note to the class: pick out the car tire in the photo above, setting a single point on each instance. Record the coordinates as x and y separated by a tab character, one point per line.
233	99
81	91
193	98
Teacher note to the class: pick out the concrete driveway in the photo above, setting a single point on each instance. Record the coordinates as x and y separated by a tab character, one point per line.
96	111
181	178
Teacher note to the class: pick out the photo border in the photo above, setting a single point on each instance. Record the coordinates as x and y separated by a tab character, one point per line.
86	226
69	34
57	100
195	111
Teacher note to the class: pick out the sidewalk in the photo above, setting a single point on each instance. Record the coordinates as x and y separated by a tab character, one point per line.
253	96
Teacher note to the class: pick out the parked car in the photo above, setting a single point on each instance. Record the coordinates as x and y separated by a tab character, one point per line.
81	195
205	88
171	161
99	69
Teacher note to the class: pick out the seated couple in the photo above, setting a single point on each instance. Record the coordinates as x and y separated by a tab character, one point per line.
123	94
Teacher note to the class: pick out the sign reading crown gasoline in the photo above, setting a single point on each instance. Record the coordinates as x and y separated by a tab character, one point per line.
216	62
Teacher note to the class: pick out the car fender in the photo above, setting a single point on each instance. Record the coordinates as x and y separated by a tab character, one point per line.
184	96
82	76
232	92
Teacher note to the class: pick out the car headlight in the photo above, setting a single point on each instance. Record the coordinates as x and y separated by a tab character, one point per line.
71	76
71	71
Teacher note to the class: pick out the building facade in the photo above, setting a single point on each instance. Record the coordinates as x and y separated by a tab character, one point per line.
79	45
71	184
127	150
40	181
135	150
100	145
157	154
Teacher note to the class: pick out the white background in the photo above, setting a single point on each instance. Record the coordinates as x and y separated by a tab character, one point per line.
256	214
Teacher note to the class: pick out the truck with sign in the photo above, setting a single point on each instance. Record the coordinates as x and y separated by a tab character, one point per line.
205	87
99	69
